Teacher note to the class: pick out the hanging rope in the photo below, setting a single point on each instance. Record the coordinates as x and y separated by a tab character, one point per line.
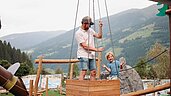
99	9
74	31
111	37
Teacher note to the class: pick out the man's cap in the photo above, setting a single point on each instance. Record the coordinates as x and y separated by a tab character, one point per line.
87	19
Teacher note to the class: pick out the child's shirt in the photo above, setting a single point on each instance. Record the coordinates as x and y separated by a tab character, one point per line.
114	67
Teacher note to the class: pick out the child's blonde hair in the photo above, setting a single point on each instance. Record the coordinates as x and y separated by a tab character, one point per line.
108	53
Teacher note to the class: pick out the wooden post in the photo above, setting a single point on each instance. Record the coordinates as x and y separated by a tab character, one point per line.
168	12
38	75
71	71
46	86
31	88
98	64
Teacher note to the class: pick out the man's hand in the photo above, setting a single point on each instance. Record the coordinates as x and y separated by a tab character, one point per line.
100	23
100	49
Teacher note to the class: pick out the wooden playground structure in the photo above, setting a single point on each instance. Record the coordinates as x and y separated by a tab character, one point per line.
80	87
87	87
99	87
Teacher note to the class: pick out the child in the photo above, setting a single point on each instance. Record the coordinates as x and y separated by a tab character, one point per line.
113	66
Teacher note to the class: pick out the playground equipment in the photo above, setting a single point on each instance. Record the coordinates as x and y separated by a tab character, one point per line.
12	83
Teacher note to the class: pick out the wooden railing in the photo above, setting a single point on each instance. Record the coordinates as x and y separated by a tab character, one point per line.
149	90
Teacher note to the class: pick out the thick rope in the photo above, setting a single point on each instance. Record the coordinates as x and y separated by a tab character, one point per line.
74	31
111	37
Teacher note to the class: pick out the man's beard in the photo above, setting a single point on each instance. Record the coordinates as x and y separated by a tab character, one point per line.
86	28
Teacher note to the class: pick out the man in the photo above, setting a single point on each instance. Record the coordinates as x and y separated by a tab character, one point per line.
86	47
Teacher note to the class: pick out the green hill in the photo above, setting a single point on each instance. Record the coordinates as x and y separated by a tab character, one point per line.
134	31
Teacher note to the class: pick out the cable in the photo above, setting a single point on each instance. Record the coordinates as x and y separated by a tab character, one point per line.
74	31
147	60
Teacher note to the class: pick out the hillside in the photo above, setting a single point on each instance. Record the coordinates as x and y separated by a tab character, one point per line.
134	31
27	40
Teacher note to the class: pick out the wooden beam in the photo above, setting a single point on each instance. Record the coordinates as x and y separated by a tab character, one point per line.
98	64
57	61
168	2
48	61
31	88
46	86
149	90
38	75
71	71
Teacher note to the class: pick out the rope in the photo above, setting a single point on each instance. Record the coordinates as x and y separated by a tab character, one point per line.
74	31
111	37
99	9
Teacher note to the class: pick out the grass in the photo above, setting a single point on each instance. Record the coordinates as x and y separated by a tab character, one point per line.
53	93
6	94
50	93
143	33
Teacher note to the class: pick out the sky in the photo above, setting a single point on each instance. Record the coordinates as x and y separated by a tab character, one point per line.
21	16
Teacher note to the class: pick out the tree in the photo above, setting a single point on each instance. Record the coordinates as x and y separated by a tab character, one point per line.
23	70
44	72
59	71
5	64
9	55
75	70
161	63
141	68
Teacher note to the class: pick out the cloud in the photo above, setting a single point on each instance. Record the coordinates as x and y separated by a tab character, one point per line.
20	16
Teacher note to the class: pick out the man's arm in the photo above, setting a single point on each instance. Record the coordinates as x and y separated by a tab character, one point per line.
86	47
99	34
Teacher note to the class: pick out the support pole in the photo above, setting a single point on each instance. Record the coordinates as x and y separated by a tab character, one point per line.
31	88
168	12
38	75
98	64
46	86
71	71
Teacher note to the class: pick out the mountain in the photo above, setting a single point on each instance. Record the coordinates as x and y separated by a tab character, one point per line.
26	40
133	32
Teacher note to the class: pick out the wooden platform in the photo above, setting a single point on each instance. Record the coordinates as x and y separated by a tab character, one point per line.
92	88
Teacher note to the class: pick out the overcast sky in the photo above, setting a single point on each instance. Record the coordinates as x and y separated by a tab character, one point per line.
19	16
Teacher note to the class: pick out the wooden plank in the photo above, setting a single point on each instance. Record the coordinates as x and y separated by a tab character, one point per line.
76	93
96	88
57	61
77	88
93	88
92	83
102	88
105	93
149	90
